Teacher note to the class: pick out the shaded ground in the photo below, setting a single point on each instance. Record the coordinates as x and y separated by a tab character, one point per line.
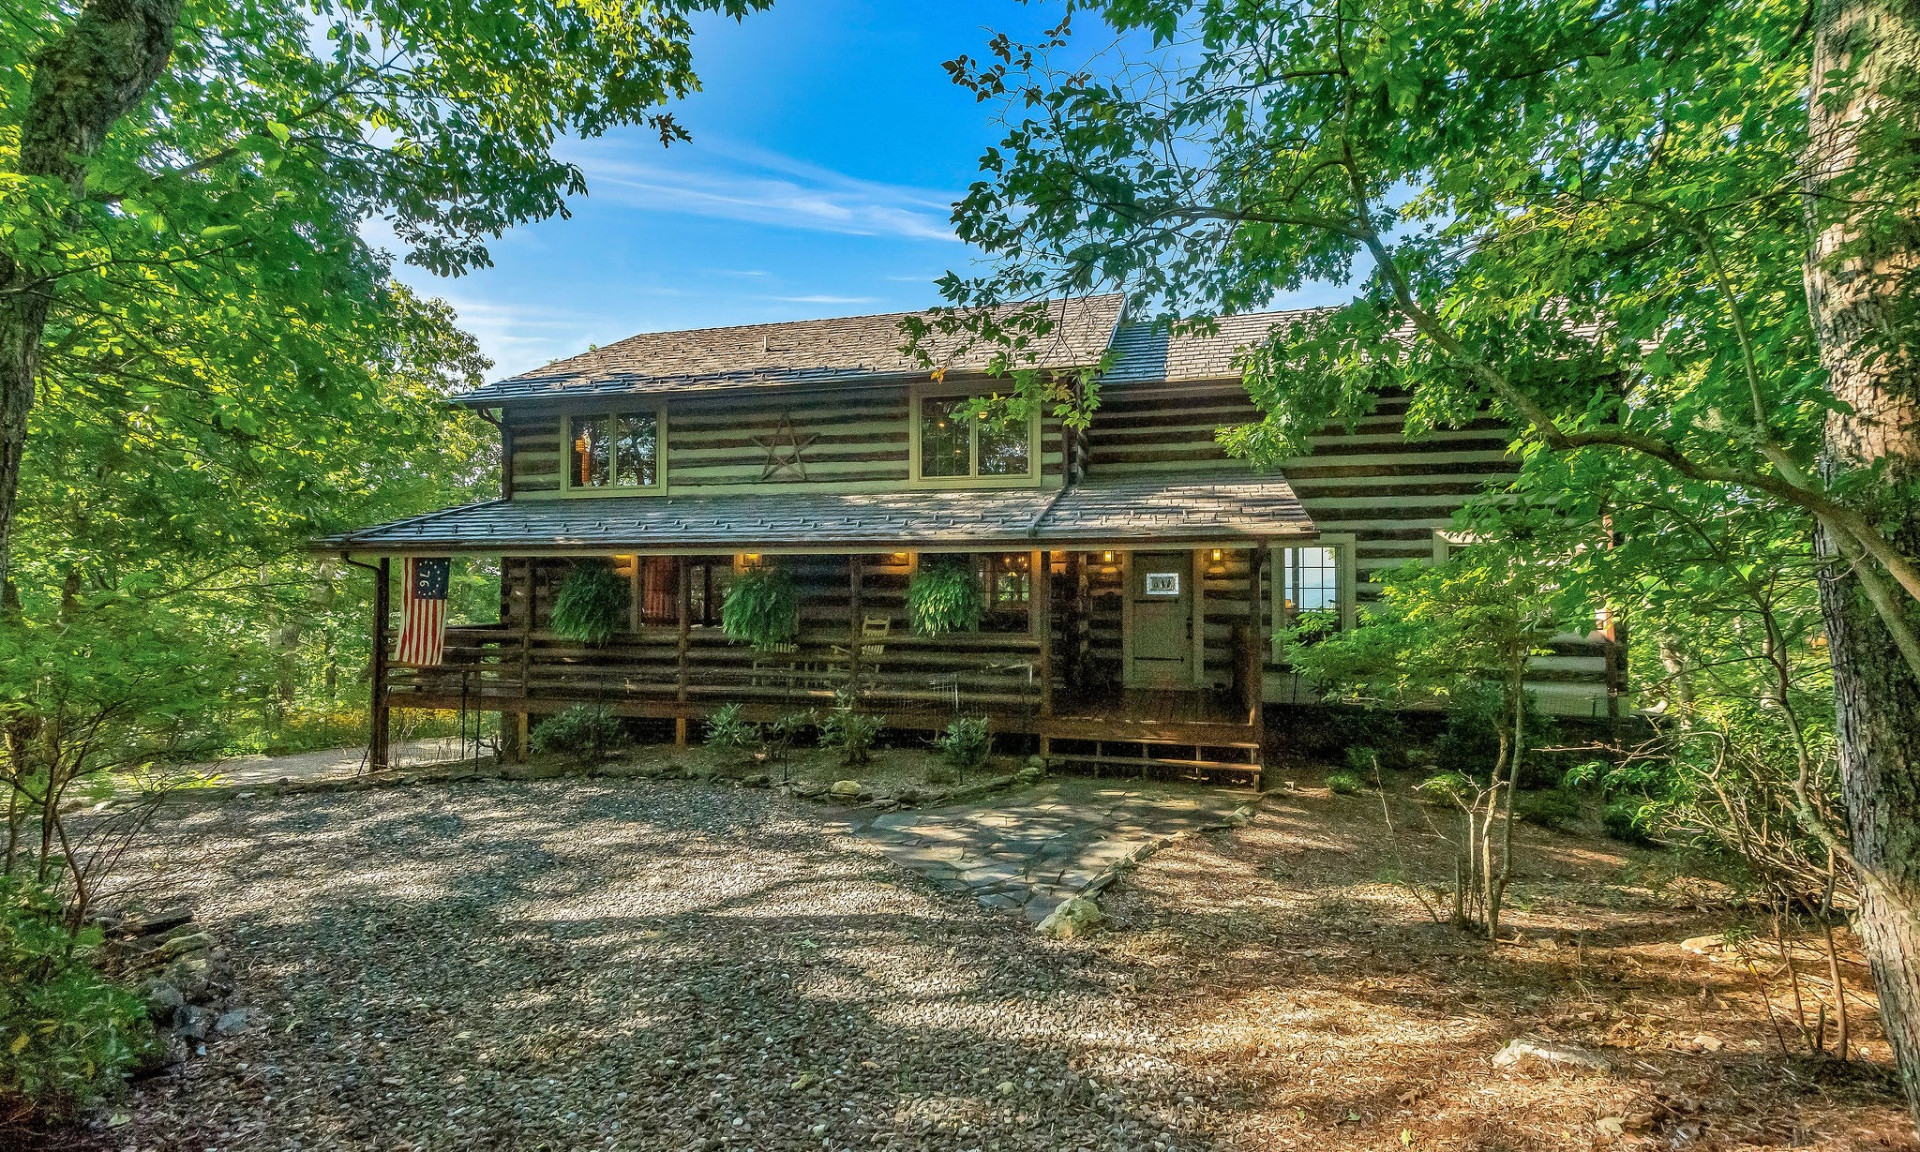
1034	849
329	764
626	964
1327	1009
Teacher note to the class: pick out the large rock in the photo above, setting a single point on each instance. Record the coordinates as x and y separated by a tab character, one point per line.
1073	918
1529	1051
845	790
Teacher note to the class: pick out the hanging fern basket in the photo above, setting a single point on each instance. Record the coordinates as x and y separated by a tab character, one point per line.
592	604
762	608
945	598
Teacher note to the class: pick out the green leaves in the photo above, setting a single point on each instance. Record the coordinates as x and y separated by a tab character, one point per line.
761	608
66	1033
593	603
945	596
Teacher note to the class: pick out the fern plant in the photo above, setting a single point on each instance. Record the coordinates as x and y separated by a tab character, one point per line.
592	604
945	598
762	608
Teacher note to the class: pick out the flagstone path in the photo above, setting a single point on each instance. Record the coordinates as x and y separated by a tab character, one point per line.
1033	851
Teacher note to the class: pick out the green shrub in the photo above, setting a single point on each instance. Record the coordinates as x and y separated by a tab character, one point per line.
728	732
850	732
1625	821
1471	743
592	604
66	1033
1446	788
966	743
944	598
761	608
1346	783
1363	760
583	732
1550	808
779	737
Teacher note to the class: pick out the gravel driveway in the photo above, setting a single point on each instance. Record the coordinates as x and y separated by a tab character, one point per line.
623	964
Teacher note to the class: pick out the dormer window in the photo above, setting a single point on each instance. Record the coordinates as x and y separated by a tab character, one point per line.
953	447
614	452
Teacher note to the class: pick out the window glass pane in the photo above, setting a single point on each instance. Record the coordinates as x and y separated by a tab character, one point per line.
1006	584
590	452
943	437
1004	450
1310	581
638	450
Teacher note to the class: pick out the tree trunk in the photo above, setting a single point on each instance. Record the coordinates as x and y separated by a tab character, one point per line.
1863	289
83	81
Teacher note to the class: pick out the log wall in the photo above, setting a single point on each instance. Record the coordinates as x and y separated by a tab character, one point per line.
854	440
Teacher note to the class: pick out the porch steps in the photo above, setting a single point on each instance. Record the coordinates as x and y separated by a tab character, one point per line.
1152	759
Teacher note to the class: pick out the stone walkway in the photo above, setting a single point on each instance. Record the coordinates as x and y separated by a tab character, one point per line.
1036	850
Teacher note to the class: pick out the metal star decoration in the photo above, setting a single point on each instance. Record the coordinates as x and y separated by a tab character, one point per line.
783	452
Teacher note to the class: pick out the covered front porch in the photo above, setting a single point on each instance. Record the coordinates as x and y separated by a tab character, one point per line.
1086	659
1124	624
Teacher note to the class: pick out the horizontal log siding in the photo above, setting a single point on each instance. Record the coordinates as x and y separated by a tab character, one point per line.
1389	493
860	443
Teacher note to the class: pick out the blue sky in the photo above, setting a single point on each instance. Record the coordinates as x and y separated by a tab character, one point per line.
827	146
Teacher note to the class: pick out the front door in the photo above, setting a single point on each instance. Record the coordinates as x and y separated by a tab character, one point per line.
1160	616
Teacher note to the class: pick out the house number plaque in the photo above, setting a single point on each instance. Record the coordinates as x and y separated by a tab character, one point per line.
1163	583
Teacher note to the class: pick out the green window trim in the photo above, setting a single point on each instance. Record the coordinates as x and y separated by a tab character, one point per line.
1341	564
935	440
616	444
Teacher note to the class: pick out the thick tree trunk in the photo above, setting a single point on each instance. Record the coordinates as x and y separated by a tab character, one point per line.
83	81
1863	286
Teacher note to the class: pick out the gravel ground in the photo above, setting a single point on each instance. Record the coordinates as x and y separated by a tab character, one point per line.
619	964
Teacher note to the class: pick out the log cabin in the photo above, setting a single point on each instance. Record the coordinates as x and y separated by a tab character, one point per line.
1132	575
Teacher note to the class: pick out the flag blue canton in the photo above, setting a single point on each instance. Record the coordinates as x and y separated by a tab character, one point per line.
430	579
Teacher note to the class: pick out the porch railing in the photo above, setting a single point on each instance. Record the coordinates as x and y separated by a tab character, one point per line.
985	672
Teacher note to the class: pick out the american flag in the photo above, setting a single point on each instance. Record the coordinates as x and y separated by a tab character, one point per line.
423	612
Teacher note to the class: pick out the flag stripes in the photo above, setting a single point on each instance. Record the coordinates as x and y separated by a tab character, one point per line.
423	612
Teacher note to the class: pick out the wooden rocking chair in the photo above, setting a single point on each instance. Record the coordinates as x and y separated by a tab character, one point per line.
839	659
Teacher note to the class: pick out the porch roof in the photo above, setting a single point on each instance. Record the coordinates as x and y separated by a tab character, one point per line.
1199	510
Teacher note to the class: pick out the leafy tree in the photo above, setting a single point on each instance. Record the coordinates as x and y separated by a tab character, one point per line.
1452	632
1626	230
173	169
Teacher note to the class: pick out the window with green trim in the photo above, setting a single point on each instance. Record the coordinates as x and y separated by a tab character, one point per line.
956	446
613	451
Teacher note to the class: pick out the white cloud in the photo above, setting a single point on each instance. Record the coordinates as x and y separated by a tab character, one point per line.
824	299
520	336
732	182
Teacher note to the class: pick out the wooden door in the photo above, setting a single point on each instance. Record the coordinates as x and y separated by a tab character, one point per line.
1160	619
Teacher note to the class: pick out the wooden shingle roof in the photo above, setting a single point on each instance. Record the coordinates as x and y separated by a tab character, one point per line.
845	349
1145	354
1172	509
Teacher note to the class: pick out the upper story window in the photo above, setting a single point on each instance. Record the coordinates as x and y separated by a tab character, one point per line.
614	452
953	446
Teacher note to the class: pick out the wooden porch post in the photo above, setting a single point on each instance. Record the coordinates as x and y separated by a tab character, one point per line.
1199	624
856	626
377	734
528	598
1040	618
1257	659
683	607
